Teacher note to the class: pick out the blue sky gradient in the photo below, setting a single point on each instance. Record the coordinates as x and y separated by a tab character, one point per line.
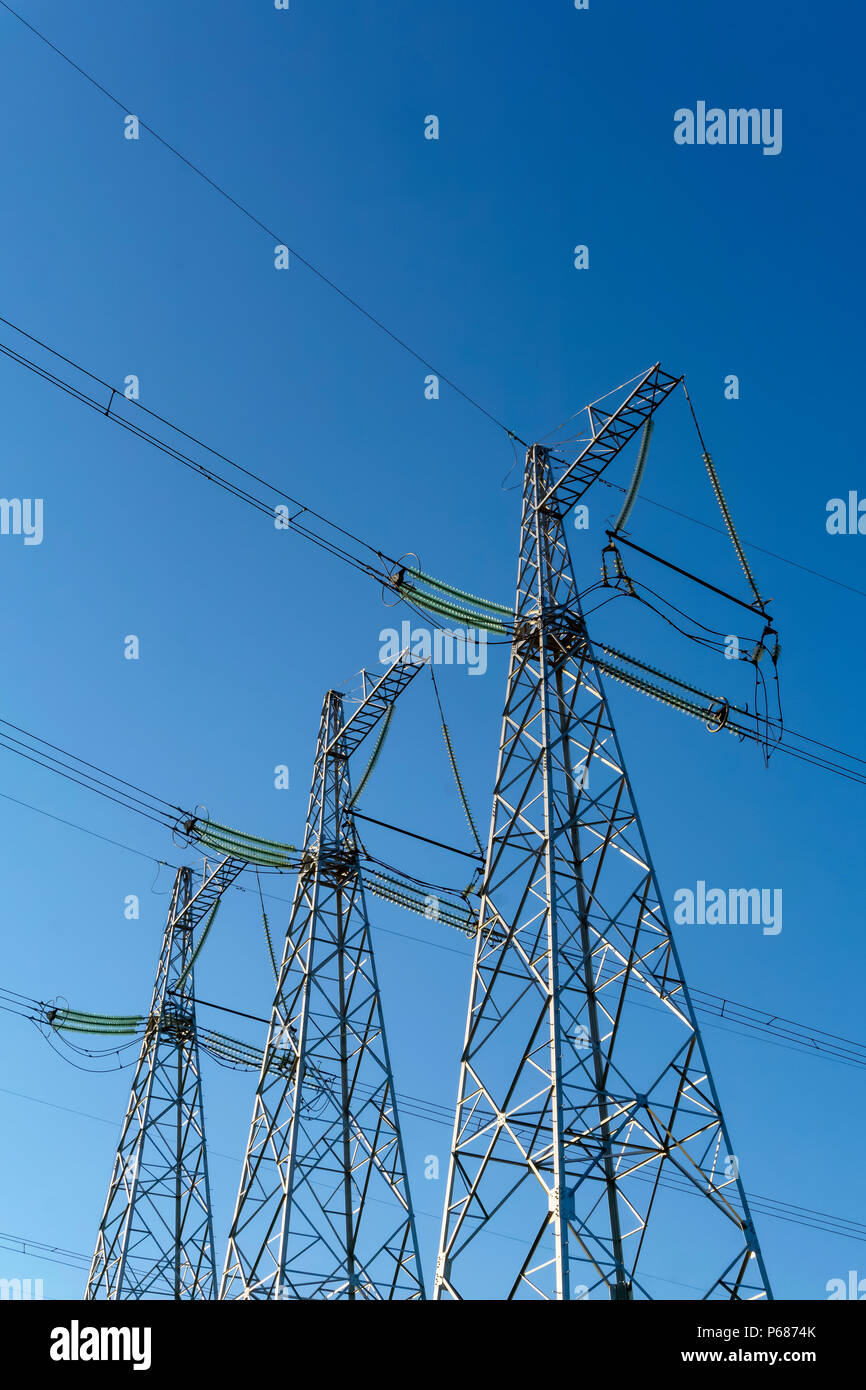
556	129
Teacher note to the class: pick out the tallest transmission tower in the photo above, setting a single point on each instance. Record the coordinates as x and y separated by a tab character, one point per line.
590	1152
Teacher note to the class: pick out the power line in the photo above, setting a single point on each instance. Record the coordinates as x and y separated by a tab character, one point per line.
257	222
73	825
686	516
54	767
164	817
789	1212
770	1028
467	854
607	482
784	559
193	439
379	575
210	474
148	804
238	492
727	1011
434	1112
732	1016
74	769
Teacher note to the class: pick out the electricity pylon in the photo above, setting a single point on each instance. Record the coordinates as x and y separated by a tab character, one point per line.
587	1123
155	1239
323	1209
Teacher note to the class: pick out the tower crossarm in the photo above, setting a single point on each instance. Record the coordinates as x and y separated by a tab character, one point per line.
375	704
609	433
212	888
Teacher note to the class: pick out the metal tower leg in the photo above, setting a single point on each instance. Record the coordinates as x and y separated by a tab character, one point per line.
323	1209
587	1126
156	1235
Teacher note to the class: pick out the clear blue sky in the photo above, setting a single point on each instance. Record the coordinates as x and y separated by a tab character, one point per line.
556	129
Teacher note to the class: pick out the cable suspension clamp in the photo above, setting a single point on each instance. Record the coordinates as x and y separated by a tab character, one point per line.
717	718
337	863
561	628
173	1022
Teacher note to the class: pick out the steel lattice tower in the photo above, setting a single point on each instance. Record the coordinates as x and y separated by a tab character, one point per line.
323	1209
156	1235
587	1122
